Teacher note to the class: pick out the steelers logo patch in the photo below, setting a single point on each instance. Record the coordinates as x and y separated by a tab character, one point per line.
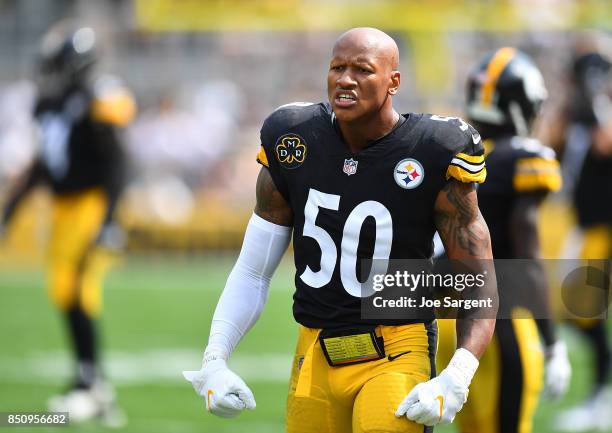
408	173
290	151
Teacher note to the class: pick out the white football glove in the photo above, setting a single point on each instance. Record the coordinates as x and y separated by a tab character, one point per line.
224	392
438	400
558	371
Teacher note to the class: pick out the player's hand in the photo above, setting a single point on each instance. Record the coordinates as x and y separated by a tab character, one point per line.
224	392
558	371
438	400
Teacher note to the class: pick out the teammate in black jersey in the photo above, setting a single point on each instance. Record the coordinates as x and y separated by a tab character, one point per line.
504	95
354	179
81	159
586	130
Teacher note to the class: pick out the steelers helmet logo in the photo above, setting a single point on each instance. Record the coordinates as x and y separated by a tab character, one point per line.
290	151
408	173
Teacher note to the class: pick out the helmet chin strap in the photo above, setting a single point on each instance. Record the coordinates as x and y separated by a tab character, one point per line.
518	119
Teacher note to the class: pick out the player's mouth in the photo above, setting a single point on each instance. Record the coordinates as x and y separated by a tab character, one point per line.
345	99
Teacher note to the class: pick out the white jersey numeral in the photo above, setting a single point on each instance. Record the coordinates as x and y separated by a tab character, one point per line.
350	241
329	255
349	244
55	132
462	125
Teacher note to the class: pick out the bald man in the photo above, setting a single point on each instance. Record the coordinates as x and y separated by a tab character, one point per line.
353	180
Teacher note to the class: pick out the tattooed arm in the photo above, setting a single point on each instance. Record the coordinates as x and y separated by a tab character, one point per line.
466	238
271	205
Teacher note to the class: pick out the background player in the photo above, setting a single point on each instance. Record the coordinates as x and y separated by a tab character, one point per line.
326	169
584	133
504	94
82	160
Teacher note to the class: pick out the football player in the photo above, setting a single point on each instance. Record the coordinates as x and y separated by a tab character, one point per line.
504	95
353	179
81	159
586	128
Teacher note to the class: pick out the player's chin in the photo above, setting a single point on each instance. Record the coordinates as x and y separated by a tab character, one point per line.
347	114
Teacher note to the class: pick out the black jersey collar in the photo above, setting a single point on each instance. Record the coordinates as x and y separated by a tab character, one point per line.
375	147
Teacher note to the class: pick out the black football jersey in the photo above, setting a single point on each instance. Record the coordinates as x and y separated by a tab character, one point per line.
375	204
79	143
593	192
516	166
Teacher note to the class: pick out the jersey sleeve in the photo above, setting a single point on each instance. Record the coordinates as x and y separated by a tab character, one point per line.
262	158
112	103
536	169
468	162
270	131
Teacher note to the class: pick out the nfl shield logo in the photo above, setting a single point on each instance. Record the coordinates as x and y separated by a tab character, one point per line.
350	166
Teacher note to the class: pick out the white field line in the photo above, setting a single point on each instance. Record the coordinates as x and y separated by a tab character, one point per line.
285	285
177	426
280	283
159	367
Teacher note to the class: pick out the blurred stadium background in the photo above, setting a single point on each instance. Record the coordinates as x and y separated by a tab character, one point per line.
205	74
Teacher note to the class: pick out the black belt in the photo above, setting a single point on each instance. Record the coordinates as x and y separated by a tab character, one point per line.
351	345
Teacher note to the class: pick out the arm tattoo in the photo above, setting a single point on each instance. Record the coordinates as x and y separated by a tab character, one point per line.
271	205
458	219
466	236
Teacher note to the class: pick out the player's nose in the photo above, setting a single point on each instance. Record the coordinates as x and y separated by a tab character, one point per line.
345	80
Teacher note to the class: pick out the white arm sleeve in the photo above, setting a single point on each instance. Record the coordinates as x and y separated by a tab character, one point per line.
246	290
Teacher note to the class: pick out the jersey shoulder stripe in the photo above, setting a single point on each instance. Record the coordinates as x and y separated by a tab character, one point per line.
536	173
465	176
112	102
470	159
471	168
536	167
463	145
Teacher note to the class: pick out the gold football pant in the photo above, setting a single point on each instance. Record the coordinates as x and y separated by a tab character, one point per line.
597	245
75	267
505	390
359	398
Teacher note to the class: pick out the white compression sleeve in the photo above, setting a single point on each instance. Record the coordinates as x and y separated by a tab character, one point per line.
246	289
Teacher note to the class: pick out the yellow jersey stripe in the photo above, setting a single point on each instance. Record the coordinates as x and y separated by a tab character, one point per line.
524	182
472	168
473	159
488	145
537	173
462	175
537	164
262	158
117	108
495	68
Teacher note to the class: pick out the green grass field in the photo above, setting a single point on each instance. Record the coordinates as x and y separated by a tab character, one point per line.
155	324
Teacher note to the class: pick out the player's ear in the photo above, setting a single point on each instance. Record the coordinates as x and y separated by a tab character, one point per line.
394	82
